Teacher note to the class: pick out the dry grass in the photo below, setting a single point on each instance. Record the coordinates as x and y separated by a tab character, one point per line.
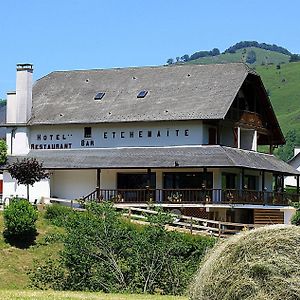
263	264
47	295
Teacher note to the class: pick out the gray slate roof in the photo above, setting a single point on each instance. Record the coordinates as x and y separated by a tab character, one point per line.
174	93
159	157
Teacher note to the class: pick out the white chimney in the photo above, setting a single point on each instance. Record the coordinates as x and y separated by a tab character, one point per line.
23	93
296	150
18	111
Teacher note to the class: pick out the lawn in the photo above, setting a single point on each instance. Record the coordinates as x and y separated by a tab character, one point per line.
16	262
45	295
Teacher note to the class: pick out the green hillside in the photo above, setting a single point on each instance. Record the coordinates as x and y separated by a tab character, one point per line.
283	88
262	57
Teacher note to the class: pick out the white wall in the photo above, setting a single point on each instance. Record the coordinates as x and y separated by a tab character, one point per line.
292	180
11	108
288	213
38	190
117	135
72	184
17	140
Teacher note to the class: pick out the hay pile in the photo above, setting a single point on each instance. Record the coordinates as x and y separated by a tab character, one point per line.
263	264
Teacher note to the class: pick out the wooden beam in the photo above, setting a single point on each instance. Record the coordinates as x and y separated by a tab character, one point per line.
263	181
205	177
298	184
282	183
243	178
98	187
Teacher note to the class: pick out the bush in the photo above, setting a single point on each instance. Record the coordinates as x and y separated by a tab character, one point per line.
259	264
104	252
19	219
57	214
296	218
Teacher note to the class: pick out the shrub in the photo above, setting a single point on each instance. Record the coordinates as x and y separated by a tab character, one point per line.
296	218
104	252
50	275
57	214
19	219
259	264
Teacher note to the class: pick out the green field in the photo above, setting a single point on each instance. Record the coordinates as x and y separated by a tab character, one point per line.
283	87
262	56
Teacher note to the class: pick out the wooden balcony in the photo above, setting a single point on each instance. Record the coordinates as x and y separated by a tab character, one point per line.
193	196
246	117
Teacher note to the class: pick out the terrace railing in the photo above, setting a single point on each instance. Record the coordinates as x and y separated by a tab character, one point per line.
193	196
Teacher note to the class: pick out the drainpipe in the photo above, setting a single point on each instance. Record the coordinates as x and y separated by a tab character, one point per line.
12	136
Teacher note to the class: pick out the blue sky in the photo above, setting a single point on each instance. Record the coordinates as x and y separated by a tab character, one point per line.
89	34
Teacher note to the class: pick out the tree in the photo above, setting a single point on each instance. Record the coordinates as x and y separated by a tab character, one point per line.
170	61
251	57
215	52
27	171
177	58
103	252
286	151
294	58
185	57
3	152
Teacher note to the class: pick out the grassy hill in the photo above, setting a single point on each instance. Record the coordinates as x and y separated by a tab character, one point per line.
16	262
262	57
283	87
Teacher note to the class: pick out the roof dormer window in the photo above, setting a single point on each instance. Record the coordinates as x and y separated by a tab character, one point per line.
142	94
99	96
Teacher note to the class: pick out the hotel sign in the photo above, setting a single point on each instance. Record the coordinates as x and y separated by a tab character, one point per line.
48	138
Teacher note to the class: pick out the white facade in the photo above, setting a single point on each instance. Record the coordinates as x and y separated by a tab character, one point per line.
295	162
76	183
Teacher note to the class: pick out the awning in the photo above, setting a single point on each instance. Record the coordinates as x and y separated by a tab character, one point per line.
158	157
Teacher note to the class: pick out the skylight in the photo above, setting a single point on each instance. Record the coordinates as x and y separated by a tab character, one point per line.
99	96
142	94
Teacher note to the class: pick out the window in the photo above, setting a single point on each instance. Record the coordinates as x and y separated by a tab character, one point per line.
142	94
99	96
87	132
185	180
229	181
250	182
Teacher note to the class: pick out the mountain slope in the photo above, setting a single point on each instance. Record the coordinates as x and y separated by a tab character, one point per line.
262	57
283	88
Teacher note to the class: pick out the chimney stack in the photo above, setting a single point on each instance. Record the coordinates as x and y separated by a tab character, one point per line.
23	93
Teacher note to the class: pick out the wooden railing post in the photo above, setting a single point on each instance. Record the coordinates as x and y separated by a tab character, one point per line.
129	214
219	229
98	193
191	225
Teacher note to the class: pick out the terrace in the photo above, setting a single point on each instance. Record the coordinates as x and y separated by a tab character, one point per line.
193	196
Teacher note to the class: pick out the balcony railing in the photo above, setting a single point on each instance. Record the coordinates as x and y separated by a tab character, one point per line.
193	196
245	116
